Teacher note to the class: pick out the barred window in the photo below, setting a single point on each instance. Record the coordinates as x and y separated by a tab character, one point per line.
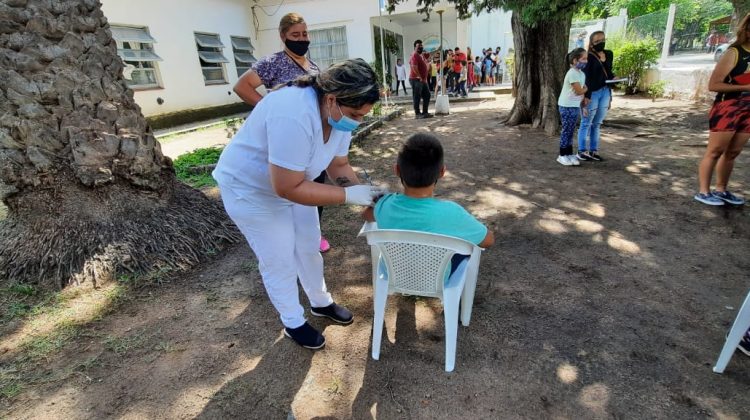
135	47
328	46
211	58
243	54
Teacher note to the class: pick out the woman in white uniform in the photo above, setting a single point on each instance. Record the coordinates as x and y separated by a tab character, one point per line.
266	180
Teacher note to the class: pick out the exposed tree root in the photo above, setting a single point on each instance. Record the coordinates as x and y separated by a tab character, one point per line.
73	234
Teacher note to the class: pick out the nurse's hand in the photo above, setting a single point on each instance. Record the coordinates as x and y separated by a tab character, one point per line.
362	195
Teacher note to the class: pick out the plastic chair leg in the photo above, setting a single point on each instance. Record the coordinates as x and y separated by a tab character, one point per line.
380	297
740	326
450	308
470	287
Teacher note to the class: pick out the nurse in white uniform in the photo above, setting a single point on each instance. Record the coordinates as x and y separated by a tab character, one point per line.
266	180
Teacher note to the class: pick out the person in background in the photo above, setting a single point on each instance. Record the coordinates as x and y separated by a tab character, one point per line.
598	97
488	62
400	76
428	60
477	71
265	176
569	103
728	120
463	77
470	70
418	80
498	66
279	68
435	60
581	39
458	58
448	70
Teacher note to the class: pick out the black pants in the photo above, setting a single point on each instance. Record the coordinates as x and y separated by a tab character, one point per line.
420	92
401	82
321	179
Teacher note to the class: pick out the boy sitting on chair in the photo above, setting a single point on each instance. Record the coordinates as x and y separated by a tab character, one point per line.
420	165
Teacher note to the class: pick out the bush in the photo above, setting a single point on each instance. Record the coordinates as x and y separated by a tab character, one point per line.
632	58
656	89
197	159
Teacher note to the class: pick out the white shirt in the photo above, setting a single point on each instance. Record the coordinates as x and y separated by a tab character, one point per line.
284	129
400	72
568	97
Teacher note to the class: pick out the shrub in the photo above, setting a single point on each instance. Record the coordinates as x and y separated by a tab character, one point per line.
632	58
656	89
198	158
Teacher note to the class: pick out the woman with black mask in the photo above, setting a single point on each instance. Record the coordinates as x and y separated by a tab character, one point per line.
597	99
282	67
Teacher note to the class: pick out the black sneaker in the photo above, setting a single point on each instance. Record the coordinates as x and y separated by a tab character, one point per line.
306	336
744	345
335	312
583	156
418	117
595	156
427	115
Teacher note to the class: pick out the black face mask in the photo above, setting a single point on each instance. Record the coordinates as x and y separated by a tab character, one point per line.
297	47
599	47
420	49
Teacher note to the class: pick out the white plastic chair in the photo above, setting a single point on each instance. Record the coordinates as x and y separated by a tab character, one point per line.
740	326
415	263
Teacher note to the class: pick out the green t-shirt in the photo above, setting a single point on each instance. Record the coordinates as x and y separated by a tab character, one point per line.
398	211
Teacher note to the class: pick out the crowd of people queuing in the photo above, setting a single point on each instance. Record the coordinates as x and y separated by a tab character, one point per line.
460	74
272	176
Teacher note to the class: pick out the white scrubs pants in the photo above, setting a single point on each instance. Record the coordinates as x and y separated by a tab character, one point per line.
286	240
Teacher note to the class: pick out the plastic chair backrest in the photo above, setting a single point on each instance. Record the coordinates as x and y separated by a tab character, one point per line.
416	262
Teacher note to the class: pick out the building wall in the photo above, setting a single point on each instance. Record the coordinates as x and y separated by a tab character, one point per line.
172	23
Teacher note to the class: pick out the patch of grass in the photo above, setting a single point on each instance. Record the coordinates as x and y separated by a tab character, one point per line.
123	345
40	347
165	346
10	389
197	158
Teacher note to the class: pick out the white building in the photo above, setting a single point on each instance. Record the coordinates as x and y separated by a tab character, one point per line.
187	54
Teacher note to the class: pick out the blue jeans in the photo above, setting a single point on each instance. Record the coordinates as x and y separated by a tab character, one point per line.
597	108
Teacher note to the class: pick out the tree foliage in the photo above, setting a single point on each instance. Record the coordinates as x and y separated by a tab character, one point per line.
531	12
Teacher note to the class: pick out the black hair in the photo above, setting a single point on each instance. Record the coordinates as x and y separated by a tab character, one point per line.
420	160
419	41
575	54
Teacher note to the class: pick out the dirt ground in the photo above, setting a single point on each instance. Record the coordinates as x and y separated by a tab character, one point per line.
607	295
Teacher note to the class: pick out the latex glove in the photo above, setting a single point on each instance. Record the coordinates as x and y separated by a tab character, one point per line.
363	195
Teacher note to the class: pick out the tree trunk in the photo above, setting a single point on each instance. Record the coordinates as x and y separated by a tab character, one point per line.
539	70
88	190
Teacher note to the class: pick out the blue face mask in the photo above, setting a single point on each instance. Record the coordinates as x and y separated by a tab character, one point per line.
580	65
345	123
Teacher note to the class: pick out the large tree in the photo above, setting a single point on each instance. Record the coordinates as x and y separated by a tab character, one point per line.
540	35
88	191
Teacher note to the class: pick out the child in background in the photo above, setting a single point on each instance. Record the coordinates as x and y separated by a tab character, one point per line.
569	103
477	71
462	78
420	165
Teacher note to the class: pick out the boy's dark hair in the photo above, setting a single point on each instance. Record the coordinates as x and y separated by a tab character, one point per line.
420	160
419	41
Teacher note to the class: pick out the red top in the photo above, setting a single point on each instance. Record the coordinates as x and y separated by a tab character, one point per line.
418	67
457	59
